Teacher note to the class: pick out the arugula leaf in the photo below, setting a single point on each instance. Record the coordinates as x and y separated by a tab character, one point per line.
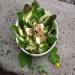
24	59
32	20
26	9
50	28
54	58
34	5
53	29
22	43
49	19
20	19
15	29
43	17
36	8
40	12
18	30
37	14
20	15
54	50
43	69
51	39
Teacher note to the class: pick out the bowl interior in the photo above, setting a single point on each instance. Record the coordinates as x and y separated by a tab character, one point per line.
44	52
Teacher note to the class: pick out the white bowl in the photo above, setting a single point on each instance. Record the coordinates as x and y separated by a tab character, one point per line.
37	55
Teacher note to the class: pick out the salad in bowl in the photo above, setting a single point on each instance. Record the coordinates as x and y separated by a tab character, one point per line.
35	29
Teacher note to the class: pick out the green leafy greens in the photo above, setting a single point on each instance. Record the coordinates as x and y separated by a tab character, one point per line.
51	39
43	69
24	59
54	58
